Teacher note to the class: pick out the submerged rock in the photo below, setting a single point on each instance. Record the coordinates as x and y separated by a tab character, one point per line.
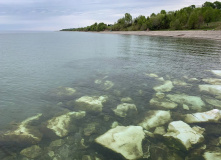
180	83
160	95
61	125
87	103
125	109
216	72
166	87
212	155
213	102
155	118
213	81
31	152
151	75
62	93
25	133
90	129
126	100
194	102
126	141
210	116
163	103
181	136
106	85
212	89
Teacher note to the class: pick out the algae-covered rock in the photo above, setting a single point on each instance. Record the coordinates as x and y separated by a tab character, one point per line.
151	75
166	87
61	125
165	104
180	83
194	102
160	95
204	117
87	103
155	118
31	152
181	136
126	141
125	109
24	134
90	128
212	89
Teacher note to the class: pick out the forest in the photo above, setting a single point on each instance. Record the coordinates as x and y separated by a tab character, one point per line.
208	16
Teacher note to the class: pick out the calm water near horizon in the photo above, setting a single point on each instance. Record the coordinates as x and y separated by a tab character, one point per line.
34	64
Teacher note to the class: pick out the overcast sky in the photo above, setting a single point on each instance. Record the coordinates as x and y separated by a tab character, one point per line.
58	14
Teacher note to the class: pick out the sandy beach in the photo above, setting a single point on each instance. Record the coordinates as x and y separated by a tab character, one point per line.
199	34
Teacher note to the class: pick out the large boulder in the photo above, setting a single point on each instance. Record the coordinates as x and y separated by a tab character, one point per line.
25	133
204	117
155	118
126	141
194	102
94	103
182	137
166	87
61	125
125	109
212	89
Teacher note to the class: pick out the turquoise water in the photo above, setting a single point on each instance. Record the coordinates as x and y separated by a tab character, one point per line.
33	64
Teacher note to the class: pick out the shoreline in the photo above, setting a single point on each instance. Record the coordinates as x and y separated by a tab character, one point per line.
196	34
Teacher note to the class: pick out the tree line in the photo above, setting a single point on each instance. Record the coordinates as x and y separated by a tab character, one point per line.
191	17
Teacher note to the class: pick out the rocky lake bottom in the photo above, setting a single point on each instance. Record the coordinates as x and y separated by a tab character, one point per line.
160	117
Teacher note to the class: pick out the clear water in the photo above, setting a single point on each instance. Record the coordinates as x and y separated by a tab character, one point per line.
33	64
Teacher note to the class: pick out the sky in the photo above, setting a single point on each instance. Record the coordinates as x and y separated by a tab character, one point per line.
53	15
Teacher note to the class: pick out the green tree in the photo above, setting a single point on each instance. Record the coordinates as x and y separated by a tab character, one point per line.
163	12
128	18
217	4
208	4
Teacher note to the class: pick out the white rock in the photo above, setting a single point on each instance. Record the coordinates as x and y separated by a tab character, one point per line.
63	93
24	133
61	125
124	109
126	100
87	103
160	79
213	81
155	119
194	102
163	103
212	155
126	141
210	116
181	136
166	87
212	89
216	72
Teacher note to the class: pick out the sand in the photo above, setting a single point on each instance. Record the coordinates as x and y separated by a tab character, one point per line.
199	34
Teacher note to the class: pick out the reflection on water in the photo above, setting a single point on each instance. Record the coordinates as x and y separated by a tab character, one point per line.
84	84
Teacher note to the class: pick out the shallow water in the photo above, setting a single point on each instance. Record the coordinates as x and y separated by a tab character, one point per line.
32	65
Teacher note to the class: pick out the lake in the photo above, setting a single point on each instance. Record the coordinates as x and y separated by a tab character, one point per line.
48	73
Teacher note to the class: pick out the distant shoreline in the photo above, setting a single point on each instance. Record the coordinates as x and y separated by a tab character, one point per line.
196	34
